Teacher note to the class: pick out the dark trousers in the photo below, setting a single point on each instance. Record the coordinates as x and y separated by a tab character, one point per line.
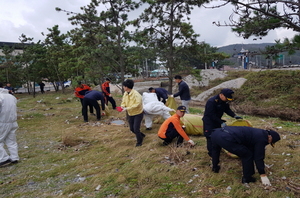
135	126
111	100
207	134
208	129
227	142
90	106
172	134
42	89
90	102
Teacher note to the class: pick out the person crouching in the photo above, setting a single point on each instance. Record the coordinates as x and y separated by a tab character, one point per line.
171	128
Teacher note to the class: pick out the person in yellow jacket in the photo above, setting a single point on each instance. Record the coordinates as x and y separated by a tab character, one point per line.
133	104
171	128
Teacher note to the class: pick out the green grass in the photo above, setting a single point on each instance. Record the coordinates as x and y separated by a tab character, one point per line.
270	93
103	154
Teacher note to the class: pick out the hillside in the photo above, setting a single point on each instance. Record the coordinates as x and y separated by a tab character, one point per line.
257	60
61	156
272	93
236	48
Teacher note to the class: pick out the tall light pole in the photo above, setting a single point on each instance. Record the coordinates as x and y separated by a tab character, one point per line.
205	56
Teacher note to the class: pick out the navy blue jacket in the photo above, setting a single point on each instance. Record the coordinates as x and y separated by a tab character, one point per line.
214	110
253	138
96	95
184	91
161	93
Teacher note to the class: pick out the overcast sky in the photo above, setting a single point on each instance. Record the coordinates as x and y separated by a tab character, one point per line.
31	17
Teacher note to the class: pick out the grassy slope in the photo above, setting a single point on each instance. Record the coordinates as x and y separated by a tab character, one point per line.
271	93
274	93
102	155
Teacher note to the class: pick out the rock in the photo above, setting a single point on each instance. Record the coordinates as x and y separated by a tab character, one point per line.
98	188
236	83
210	74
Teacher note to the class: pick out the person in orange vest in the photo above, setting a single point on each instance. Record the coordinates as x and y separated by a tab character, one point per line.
171	129
80	91
106	91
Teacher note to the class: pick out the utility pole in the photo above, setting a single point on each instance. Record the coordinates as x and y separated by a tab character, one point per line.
146	67
205	57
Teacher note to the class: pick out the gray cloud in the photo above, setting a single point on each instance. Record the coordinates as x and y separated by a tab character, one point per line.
32	17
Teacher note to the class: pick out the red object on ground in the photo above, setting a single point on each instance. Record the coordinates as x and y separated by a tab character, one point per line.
120	109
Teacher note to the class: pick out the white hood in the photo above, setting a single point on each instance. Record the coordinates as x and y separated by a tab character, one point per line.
3	91
149	97
151	104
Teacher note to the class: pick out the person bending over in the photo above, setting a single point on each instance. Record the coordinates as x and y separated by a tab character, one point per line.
248	144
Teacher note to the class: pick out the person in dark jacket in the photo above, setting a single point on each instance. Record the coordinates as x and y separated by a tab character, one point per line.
184	92
91	98
215	107
161	93
248	144
42	85
10	89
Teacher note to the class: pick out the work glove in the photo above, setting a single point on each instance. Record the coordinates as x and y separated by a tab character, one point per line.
124	109
216	169
191	142
171	96
265	180
238	117
223	125
109	95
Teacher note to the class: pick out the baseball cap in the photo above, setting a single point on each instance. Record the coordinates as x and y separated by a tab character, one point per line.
275	137
182	108
227	93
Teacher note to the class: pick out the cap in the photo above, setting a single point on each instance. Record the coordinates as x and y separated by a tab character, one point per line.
108	79
182	108
275	137
227	93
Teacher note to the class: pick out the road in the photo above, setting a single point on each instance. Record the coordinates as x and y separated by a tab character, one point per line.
37	89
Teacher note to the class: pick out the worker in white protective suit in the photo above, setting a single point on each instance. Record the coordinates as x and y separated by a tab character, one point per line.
8	128
153	107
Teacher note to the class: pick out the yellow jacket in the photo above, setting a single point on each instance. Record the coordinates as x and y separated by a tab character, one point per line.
132	102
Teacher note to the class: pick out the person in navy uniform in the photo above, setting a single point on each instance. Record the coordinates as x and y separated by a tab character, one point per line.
215	107
10	89
161	93
183	93
248	144
91	98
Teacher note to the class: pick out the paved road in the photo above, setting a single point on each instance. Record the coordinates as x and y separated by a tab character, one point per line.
37	89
